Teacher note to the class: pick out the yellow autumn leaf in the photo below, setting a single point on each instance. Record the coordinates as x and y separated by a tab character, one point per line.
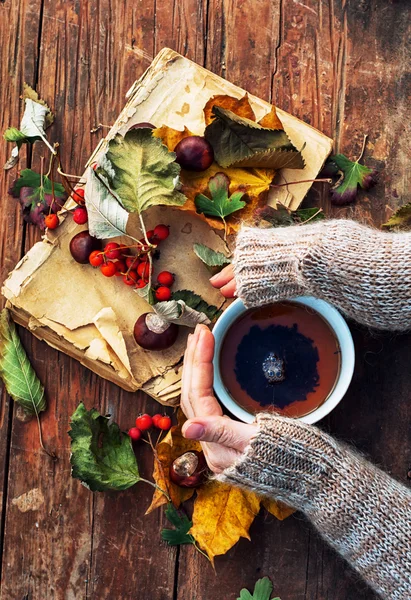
271	120
222	514
280	510
254	182
239	106
173	446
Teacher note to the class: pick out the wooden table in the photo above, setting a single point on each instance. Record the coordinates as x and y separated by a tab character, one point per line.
342	66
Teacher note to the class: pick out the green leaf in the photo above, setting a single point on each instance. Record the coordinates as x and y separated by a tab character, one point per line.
106	217
16	371
308	214
14	135
210	257
101	456
262	591
145	172
29	178
220	205
354	175
238	141
195	301
182	524
401	219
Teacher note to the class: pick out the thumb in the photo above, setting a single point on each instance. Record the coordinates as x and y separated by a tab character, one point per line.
220	430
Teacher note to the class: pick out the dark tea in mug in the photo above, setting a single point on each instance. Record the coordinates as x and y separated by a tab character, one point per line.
283	357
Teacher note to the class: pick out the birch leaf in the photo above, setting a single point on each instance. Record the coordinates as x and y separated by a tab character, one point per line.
238	141
106	216
18	375
145	171
210	257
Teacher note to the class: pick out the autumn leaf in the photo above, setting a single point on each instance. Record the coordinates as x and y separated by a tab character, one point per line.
276	508
353	175
222	514
238	141
173	446
106	216
220	204
401	219
197	303
239	106
271	120
253	182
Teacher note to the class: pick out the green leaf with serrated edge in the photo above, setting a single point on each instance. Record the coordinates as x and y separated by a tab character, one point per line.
145	171
18	375
354	175
262	591
308	214
14	135
401	219
182	524
106	217
197	303
101	456
220	205
31	179
210	257
238	141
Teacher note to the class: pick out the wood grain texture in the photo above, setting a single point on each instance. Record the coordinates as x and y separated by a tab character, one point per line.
341	66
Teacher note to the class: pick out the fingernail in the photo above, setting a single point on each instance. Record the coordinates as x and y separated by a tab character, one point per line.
195	431
214	277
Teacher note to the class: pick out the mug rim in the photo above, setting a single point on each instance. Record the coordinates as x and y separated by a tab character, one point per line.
340	328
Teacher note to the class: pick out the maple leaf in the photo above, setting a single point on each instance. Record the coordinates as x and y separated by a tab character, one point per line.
238	141
173	446
276	508
239	106
401	219
182	525
253	182
353	175
262	591
220	204
35	194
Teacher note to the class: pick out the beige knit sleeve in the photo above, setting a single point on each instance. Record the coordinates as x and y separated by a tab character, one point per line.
364	272
361	511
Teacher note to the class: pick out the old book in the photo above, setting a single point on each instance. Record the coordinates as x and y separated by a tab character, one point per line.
90	317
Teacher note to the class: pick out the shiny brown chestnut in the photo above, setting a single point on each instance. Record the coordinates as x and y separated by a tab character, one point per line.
189	470
152	332
82	245
194	153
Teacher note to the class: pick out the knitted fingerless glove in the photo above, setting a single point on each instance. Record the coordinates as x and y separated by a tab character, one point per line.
361	511
364	272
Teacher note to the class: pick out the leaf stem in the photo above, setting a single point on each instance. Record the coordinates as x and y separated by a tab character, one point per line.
150	258
364	143
277	185
320	210
199	549
154	485
43	137
67	175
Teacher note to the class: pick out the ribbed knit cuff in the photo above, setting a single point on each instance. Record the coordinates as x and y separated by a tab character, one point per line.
288	460
268	262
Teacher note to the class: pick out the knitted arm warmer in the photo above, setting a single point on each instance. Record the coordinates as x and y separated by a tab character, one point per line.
364	272
361	511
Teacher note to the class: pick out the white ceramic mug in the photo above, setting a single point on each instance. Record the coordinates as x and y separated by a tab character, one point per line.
341	331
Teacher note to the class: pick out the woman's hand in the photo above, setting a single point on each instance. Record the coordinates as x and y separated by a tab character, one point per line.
224	280
223	439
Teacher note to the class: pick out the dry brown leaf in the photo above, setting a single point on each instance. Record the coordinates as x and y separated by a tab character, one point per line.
173	445
271	120
254	182
239	106
222	514
278	509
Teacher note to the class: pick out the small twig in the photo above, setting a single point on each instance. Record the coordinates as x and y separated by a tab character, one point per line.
277	185
67	175
98	127
41	134
364	143
320	210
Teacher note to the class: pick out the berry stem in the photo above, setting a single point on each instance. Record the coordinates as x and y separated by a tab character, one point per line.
150	259
67	175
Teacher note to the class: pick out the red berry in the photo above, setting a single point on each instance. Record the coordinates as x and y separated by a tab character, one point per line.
51	221
143	270
143	257
150	235
132	262
164	423
161	232
120	268
112	250
163	294
141	283
130	278
108	269
134	433
80	215
144	422
165	278
96	258
78	195
156	419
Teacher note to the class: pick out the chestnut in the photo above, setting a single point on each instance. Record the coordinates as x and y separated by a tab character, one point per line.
142	125
189	470
194	153
152	332
82	245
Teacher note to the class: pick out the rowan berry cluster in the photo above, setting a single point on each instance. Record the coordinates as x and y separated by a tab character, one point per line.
146	422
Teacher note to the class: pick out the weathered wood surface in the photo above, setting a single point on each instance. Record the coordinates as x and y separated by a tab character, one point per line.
342	66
